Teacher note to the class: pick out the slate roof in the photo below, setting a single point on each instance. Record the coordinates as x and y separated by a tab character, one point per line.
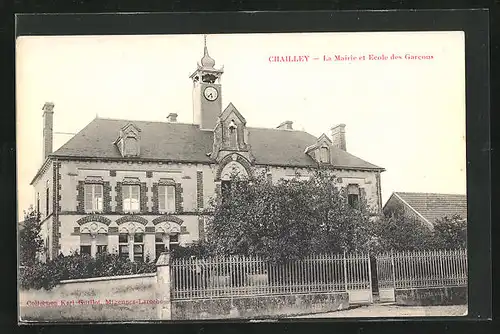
435	206
186	142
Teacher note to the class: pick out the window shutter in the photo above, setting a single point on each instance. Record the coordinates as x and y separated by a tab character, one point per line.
88	197
161	198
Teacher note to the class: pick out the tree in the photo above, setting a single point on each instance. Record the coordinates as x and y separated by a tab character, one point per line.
450	232
30	240
287	220
401	232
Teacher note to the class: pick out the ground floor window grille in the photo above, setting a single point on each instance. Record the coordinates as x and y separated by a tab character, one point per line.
85	249
93	244
102	249
123	245
138	247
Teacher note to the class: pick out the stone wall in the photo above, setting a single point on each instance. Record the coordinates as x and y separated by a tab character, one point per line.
456	295
259	306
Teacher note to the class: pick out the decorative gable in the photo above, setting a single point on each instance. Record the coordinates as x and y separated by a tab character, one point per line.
230	133
129	141
321	150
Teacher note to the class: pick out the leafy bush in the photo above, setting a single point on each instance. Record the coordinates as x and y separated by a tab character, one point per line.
401	232
450	233
76	266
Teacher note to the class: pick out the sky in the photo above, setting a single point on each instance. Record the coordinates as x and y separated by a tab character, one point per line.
405	115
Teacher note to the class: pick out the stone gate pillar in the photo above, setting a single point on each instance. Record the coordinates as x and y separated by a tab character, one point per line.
164	308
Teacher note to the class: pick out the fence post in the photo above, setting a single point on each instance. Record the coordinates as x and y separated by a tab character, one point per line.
441	271
393	270
163	288
370	277
345	271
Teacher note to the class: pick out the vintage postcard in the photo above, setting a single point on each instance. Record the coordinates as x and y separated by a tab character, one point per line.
241	176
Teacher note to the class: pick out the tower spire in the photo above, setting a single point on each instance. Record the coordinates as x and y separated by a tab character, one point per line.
206	61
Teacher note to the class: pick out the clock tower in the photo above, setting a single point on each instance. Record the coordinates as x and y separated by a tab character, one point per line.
207	97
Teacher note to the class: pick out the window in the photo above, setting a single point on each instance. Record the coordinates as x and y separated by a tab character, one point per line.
123	245
166	198
323	155
93	197
85	249
37	203
138	247
131	146
353	195
135	241
159	244
131	198
102	249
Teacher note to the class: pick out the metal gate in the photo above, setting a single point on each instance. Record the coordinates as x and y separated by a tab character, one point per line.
358	278
385	277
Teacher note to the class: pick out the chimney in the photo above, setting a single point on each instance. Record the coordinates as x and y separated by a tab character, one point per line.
172	117
48	123
338	136
286	125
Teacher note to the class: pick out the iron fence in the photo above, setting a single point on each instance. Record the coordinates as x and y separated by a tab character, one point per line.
420	269
243	276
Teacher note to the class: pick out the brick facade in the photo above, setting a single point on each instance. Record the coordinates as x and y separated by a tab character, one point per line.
143	197
196	180
178	198
201	228
199	189
106	187
119	198
154	199
56	235
80	197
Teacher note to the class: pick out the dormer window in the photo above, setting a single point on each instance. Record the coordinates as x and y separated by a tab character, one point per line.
128	141
324	155
131	148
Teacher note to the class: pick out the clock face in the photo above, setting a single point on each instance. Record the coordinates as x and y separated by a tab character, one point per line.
211	93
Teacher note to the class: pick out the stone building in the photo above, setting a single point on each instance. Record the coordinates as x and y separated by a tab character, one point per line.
136	187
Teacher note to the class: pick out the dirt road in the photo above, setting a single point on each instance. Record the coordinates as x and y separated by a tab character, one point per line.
390	310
